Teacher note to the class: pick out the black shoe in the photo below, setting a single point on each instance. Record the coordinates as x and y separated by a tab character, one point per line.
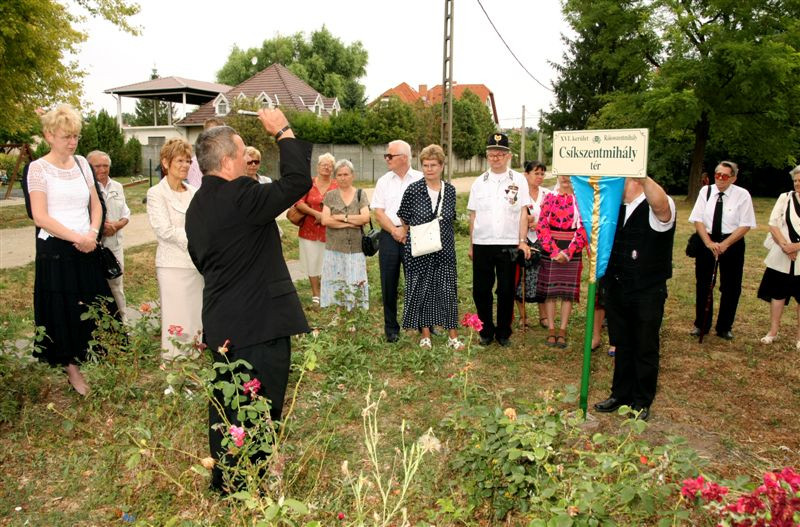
392	337
503	341
695	332
644	412
485	341
727	335
609	405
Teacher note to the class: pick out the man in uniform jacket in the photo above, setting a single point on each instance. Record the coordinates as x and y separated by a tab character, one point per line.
638	270
250	305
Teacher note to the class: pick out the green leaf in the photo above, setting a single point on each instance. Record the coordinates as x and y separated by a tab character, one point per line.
133	460
627	494
297	506
201	470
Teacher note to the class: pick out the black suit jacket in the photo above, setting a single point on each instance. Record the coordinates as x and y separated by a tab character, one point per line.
248	296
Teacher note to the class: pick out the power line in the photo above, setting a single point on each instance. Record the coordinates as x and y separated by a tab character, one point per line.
509	49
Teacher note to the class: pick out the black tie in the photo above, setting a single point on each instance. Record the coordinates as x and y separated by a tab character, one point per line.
716	225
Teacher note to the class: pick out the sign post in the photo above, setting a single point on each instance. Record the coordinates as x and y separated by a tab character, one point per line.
599	160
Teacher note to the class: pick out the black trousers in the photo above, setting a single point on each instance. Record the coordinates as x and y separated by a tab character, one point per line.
390	258
729	277
490	262
634	323
270	361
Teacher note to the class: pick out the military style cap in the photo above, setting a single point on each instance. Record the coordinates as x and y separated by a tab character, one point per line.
498	141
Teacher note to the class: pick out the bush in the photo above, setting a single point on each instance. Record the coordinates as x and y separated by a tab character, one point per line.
7	163
544	465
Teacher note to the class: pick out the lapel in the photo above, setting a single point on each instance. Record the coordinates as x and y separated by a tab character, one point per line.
170	196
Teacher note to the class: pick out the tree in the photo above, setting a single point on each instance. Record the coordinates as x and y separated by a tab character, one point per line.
472	124
101	132
723	77
36	36
324	62
151	113
609	54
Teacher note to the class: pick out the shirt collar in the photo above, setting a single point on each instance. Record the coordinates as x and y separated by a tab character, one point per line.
635	201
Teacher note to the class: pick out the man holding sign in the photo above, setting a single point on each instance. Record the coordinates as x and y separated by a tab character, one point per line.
638	270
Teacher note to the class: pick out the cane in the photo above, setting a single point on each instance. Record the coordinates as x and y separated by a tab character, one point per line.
524	313
709	299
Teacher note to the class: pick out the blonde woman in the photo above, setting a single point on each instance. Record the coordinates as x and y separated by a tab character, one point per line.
67	212
179	283
252	159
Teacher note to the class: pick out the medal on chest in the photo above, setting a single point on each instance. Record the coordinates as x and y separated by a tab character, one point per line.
512	192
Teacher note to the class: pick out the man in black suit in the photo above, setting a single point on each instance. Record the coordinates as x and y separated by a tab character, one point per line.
636	289
250	305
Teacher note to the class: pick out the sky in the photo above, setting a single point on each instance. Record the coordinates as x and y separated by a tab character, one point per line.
193	39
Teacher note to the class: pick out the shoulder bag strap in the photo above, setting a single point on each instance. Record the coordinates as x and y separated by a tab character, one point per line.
358	199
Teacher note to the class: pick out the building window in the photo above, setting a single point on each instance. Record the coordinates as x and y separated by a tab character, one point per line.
222	108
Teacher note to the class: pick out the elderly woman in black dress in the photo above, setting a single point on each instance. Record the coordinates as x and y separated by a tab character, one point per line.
431	295
67	211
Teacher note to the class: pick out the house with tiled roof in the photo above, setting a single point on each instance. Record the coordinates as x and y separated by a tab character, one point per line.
409	95
273	86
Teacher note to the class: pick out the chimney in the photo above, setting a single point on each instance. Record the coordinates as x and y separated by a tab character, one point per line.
423	92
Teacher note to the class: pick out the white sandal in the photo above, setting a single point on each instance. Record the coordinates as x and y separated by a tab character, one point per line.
315	301
425	343
455	344
768	339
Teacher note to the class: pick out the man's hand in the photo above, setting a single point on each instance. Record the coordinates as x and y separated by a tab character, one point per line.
399	234
274	121
108	229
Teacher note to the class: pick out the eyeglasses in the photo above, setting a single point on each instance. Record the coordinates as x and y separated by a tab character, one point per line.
389	157
254	162
104	165
723	176
71	137
498	155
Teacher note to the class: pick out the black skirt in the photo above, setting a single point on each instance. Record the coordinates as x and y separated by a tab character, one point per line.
67	281
776	285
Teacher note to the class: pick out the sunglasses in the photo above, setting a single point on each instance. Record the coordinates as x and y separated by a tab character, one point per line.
722	176
254	162
389	157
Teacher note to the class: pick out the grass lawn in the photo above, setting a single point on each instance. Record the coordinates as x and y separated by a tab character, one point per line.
73	461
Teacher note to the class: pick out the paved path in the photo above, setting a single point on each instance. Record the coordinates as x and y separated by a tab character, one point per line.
18	248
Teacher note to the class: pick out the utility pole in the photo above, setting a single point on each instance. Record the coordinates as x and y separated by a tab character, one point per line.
447	89
522	141
541	150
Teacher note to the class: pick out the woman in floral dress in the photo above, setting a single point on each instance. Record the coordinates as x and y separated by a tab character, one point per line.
563	238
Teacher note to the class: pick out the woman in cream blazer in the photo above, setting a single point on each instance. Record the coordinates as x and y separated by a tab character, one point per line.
781	281
179	283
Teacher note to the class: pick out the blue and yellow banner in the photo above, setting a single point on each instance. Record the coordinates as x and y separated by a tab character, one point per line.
599	219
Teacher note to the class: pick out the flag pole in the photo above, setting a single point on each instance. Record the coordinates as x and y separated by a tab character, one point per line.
594	181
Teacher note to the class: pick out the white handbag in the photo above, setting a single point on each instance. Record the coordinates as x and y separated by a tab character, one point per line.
426	238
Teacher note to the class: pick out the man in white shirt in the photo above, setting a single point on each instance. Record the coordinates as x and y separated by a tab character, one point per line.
636	278
722	218
385	201
498	228
117	217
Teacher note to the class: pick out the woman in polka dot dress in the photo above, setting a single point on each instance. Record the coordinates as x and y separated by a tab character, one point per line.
431	294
